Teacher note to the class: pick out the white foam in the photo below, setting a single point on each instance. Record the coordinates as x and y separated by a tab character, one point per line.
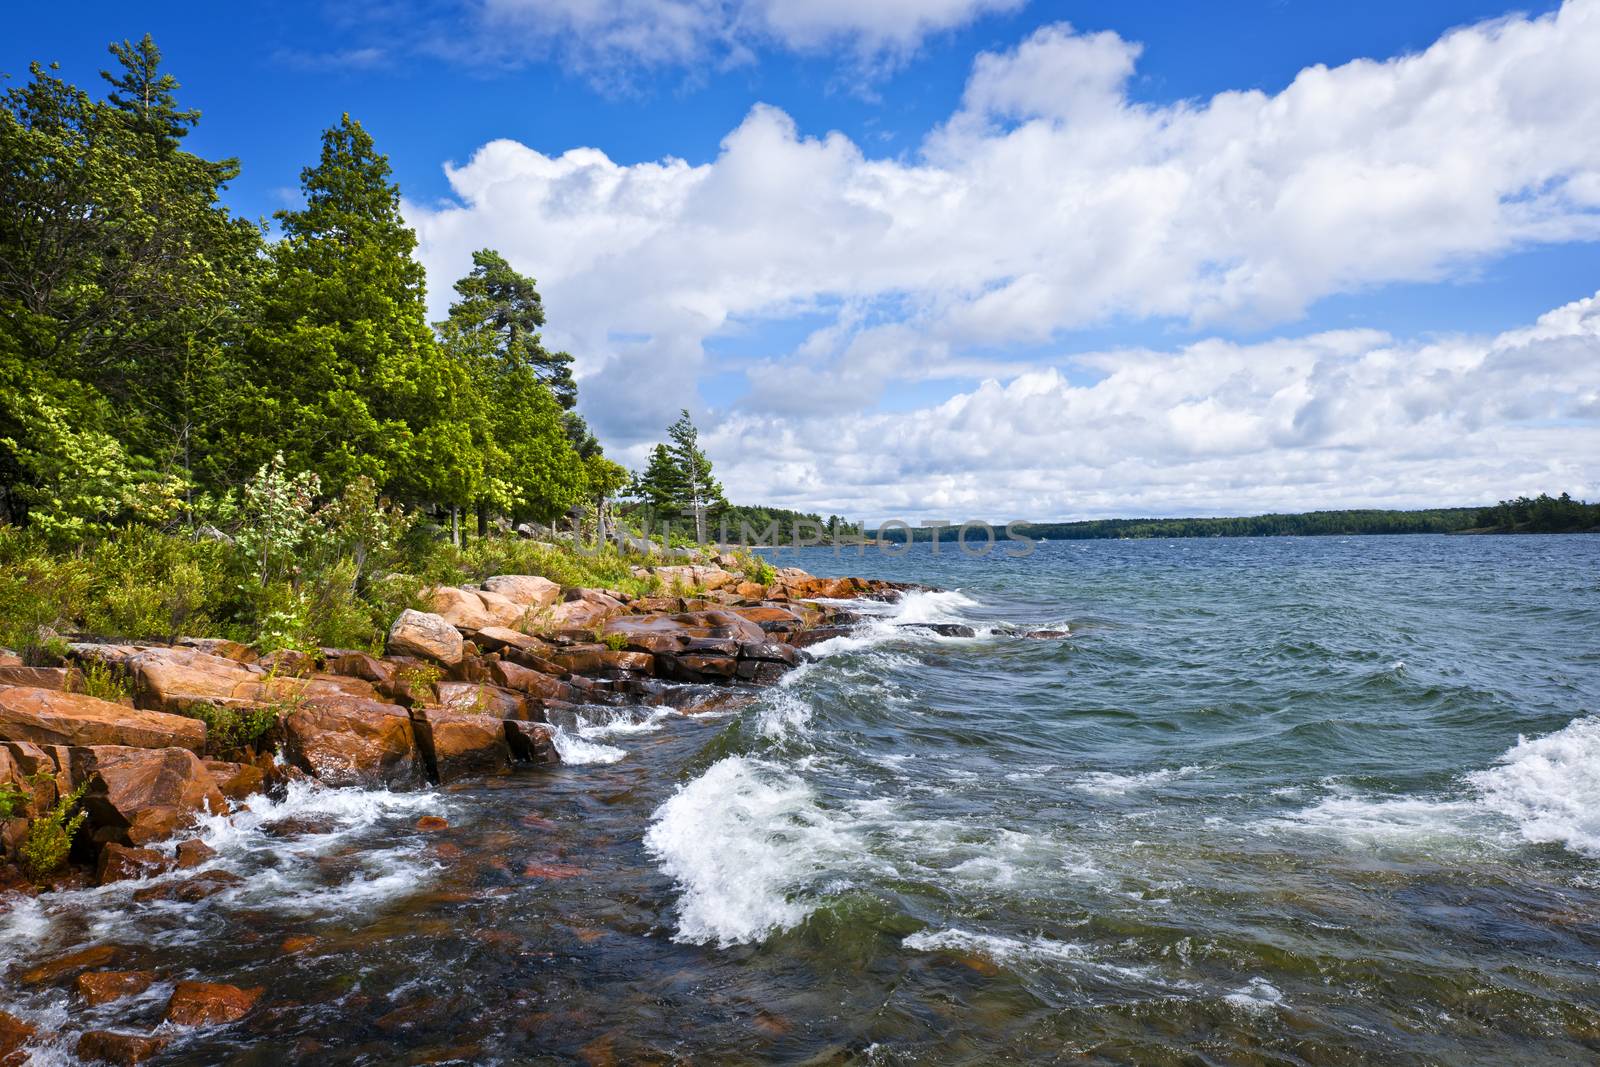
1392	821
613	722
1104	783
1257	997
577	749
784	713
887	621
1550	787
997	948
743	842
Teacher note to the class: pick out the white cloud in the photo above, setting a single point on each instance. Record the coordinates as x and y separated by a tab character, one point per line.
1049	201
654	33
1333	419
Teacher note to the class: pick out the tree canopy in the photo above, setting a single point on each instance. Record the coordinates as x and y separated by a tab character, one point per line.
156	348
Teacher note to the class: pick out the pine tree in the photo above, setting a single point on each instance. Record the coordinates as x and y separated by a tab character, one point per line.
699	487
349	380
497	301
146	94
660	485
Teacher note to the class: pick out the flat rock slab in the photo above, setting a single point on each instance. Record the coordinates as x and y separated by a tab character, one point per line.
50	717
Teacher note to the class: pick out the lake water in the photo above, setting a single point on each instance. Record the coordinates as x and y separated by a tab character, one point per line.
1276	801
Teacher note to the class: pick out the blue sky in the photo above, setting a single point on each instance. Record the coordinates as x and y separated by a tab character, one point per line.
819	301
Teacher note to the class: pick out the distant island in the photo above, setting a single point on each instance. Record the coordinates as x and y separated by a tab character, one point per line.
1541	514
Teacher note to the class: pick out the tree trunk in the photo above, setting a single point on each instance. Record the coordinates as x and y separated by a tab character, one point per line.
455	526
483	518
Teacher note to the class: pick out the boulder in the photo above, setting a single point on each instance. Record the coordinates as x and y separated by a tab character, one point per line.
582	610
60	678
119	1047
469	609
497	638
720	623
138	795
351	741
533	683
599	659
379	673
50	717
528	591
218	646
417	633
775	651
120	862
289	663
771	618
208	1003
52	971
817	635
484	699
14	1034
532	742
236	781
174	678
462	744
194	853
99	987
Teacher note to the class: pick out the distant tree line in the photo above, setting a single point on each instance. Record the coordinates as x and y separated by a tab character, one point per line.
1540	514
1543	514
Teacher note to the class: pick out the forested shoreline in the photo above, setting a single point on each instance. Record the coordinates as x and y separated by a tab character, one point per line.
1541	514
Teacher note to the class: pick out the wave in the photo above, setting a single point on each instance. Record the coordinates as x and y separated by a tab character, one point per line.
576	749
1550	787
886	621
743	842
1547	788
1107	784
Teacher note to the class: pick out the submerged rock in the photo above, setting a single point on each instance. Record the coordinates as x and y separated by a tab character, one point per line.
120	1047
210	1003
120	862
100	987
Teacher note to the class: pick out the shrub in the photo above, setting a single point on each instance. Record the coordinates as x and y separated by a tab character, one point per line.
45	847
102	682
13	801
615	642
230	729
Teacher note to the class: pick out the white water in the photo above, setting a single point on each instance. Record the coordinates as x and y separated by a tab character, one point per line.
744	841
1550	787
1541	791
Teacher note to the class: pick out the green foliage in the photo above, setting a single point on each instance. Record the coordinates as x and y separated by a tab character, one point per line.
13	801
230	730
615	642
45	847
679	479
1541	514
102	682
504	309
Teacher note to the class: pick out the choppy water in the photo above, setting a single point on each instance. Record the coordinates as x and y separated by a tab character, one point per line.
1281	801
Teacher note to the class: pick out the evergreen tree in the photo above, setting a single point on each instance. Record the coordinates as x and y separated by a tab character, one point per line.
144	93
497	301
699	487
349	379
660	485
124	277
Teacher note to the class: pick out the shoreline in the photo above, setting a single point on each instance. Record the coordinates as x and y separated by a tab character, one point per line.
487	683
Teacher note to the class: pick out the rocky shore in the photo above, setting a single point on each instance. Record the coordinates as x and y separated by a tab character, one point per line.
480	685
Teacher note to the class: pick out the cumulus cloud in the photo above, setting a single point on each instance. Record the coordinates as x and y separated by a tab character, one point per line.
1329	420
1048	201
656	33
